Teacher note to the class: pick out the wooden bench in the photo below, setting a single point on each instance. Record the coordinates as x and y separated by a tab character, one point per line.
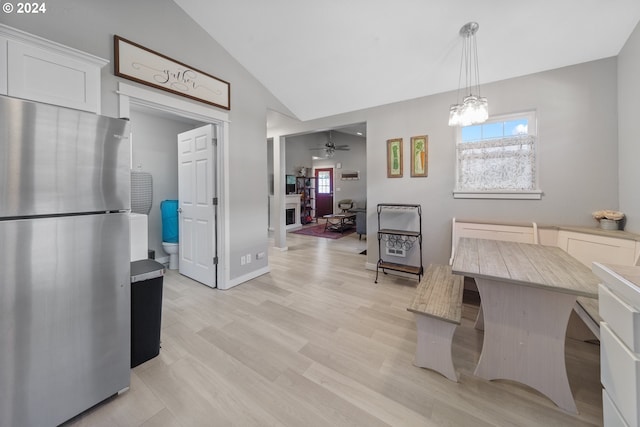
438	309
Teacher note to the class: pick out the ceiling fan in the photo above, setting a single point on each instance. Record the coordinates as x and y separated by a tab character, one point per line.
330	148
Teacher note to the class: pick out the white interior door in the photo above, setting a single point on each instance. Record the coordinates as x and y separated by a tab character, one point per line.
196	205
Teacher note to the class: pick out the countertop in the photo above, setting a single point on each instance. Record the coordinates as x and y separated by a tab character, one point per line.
623	280
619	234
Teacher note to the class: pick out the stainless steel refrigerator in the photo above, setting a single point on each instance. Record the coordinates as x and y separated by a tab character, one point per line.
64	261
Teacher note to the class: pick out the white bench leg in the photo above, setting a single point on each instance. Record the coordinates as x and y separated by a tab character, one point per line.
433	349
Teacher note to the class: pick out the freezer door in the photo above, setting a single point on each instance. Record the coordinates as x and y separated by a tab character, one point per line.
64	316
56	160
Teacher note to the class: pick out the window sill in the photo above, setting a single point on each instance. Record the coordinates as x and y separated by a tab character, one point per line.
516	195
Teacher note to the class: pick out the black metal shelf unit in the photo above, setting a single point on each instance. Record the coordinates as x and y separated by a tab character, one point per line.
306	187
399	240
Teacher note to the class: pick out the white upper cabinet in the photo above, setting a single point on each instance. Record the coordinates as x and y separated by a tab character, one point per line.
3	65
40	70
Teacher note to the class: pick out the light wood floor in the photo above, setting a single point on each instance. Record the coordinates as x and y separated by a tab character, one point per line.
317	343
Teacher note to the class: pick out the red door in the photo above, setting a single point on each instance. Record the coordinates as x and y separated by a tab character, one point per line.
324	192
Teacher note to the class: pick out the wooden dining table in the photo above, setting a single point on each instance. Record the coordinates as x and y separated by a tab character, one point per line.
527	292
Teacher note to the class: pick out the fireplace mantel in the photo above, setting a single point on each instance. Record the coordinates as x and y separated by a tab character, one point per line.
291	201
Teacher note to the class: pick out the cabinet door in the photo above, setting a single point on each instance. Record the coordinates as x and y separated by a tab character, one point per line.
620	374
3	66
51	77
621	317
611	415
588	248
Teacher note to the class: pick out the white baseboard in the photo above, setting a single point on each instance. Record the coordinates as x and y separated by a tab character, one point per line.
245	278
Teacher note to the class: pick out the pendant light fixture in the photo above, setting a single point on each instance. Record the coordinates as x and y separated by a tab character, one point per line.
473	108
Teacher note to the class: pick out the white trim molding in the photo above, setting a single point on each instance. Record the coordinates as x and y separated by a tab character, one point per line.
167	103
129	94
50	46
522	195
245	278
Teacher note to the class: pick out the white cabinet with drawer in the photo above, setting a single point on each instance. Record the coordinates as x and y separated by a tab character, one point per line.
619	296
621	317
619	370
610	414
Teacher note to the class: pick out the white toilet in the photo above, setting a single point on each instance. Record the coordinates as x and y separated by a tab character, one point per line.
172	250
170	244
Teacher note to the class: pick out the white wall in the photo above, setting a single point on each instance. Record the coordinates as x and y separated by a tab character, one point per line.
629	143
577	129
162	26
298	151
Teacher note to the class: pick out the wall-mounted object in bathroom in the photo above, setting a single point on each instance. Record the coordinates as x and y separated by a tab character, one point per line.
141	192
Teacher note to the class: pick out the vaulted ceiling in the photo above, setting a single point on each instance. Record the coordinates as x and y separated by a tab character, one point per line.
321	58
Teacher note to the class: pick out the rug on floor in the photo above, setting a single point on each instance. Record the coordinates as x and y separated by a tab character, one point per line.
319	231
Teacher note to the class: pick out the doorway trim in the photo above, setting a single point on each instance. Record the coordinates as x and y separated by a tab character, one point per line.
331	171
132	95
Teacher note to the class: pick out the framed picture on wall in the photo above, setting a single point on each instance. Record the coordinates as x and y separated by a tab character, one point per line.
419	155
145	66
394	158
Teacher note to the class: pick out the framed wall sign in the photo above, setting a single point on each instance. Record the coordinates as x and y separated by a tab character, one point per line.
419	155
350	176
394	158
142	65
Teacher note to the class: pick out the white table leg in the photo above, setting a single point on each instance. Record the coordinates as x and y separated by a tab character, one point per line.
433	348
524	338
479	325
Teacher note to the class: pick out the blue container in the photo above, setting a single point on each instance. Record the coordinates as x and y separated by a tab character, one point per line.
169	209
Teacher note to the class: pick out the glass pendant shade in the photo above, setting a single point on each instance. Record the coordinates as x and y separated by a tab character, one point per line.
473	108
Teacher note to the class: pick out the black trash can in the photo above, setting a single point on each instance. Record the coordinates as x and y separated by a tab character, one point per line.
146	310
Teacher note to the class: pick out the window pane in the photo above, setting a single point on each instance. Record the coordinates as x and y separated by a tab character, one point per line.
471	133
492	130
324	183
516	127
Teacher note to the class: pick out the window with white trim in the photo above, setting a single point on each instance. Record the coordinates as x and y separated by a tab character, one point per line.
497	159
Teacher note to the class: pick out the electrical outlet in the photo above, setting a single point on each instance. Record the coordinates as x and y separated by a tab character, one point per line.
243	260
396	252
248	258
260	255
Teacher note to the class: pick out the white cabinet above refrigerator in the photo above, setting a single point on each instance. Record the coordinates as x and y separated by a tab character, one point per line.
40	70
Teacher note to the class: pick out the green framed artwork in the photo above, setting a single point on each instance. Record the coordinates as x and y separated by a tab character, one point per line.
394	158
419	155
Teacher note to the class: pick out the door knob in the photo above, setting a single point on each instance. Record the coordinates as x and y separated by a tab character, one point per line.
179	210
